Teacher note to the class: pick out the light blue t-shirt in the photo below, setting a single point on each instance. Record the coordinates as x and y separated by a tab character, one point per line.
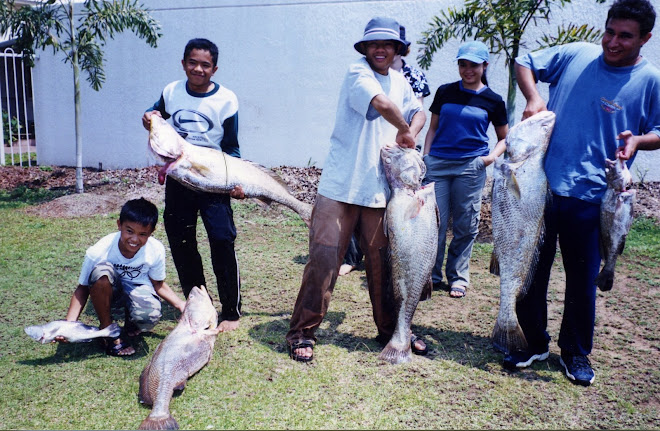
352	172
594	102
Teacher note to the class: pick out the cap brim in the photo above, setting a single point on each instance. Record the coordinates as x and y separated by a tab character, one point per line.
472	58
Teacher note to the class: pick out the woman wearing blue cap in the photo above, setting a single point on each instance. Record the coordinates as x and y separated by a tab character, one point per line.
456	155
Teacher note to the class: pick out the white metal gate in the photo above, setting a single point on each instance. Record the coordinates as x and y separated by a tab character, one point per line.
17	137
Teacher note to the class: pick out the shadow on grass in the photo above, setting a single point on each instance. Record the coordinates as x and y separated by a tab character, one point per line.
464	348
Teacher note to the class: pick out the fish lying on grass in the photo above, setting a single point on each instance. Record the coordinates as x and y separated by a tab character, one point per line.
73	332
520	193
185	350
210	170
411	222
616	217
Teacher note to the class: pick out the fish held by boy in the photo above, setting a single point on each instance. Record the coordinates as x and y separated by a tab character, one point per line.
411	223
210	170
73	332
616	217
520	194
185	351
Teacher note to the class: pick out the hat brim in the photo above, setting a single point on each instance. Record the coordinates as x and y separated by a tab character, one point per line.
472	58
376	36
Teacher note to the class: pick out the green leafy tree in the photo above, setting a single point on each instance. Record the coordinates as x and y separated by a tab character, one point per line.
80	37
501	25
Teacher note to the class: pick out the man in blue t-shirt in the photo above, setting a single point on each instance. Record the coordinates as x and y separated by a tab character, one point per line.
607	101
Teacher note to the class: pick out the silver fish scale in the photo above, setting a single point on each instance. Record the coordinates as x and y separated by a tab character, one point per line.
520	194
412	227
616	217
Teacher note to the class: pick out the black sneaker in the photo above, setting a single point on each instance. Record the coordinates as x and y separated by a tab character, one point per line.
578	369
517	360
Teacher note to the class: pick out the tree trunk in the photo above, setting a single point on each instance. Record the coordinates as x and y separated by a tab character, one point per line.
76	101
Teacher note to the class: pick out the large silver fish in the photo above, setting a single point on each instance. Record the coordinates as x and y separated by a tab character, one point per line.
411	222
520	193
181	354
616	217
73	332
206	169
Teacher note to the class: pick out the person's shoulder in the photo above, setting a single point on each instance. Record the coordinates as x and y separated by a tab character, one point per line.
102	244
155	244
490	94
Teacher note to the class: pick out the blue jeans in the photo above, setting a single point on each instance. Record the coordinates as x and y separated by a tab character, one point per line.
577	225
458	190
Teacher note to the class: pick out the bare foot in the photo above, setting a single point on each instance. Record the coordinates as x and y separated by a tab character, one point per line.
228	325
304	352
118	348
345	269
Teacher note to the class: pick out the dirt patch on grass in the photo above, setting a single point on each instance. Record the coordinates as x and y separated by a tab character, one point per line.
105	191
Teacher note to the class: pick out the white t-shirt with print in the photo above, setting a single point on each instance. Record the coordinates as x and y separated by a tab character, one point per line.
148	262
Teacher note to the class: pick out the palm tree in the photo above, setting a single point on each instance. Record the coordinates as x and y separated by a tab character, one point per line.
501	25
79	37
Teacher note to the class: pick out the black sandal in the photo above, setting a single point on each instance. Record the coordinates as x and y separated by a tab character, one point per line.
422	352
301	345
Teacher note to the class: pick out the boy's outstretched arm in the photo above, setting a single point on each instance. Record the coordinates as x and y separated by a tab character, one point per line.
78	301
165	291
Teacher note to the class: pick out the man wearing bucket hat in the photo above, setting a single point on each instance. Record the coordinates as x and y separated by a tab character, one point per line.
376	107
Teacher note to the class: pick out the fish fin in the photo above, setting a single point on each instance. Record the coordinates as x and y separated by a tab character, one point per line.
513	186
605	280
427	290
414	208
494	264
159	423
396	356
271	173
621	246
508	339
529	278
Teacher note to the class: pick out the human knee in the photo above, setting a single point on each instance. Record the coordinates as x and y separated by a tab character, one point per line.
144	309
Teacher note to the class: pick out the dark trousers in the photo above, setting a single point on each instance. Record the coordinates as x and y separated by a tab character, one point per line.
577	225
332	225
354	253
182	207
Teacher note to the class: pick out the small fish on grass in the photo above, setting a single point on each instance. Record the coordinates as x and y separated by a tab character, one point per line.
210	170
411	221
73	332
185	351
616	217
520	194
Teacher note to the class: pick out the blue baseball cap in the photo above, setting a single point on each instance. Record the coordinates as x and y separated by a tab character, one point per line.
474	51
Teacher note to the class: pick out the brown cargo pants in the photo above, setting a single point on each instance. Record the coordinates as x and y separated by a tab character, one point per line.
330	232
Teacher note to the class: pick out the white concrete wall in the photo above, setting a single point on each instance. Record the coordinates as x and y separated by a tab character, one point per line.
285	60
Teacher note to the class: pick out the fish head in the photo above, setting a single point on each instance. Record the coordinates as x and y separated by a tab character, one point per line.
36	333
165	144
404	167
199	311
617	175
530	136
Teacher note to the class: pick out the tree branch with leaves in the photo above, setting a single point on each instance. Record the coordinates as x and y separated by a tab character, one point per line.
500	25
79	37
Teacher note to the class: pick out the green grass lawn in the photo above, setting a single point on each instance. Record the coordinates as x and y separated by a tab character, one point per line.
250	382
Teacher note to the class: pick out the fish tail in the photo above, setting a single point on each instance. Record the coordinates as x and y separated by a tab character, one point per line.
508	339
394	355
159	423
494	264
605	280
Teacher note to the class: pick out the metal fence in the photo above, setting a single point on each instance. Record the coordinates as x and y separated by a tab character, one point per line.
17	126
